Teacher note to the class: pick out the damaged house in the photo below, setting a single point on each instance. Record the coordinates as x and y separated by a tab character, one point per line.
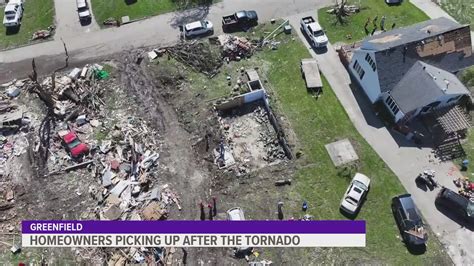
410	69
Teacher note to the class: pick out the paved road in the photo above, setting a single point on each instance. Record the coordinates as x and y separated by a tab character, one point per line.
159	30
405	160
67	21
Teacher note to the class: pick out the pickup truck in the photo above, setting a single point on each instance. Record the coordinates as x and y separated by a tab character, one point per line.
314	32
13	13
239	20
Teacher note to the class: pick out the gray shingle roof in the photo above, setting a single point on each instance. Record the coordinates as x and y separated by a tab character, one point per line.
396	55
413	33
424	84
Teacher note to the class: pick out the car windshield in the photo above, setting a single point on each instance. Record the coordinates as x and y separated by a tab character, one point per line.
82	9
74	143
360	185
351	200
318	33
9	13
470	209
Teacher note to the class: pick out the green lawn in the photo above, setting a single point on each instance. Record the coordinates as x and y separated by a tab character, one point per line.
38	15
461	10
467	77
402	15
104	9
316	123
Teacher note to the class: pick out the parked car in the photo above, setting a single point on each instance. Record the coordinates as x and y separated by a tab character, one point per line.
13	13
239	20
459	205
83	11
393	1
314	32
198	28
409	220
355	193
236	214
73	144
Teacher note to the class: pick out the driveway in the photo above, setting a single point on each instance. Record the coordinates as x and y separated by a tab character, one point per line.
67	20
406	161
156	31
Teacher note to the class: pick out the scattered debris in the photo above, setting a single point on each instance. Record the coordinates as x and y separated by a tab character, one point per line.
43	34
283	182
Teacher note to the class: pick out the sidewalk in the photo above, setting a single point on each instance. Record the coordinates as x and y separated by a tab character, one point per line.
405	161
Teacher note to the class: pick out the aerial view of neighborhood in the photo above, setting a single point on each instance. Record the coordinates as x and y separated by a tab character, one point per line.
232	110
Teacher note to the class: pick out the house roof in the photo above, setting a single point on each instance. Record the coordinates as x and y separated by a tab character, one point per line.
424	84
397	50
413	33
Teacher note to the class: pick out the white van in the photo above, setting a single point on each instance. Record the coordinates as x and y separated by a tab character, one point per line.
237	214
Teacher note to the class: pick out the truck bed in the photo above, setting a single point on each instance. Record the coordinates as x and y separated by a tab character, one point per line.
308	20
226	20
310	70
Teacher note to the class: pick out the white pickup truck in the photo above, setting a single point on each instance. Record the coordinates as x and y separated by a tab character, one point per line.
13	13
315	33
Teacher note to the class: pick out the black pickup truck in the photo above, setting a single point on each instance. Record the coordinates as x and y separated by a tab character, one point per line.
241	20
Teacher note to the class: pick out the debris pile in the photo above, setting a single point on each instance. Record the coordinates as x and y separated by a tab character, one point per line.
80	135
43	34
250	141
198	55
466	187
273	148
235	48
344	8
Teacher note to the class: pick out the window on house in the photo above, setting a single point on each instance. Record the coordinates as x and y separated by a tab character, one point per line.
371	62
434	104
392	105
454	99
358	68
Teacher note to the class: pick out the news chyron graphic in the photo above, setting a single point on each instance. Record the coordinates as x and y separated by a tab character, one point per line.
193	233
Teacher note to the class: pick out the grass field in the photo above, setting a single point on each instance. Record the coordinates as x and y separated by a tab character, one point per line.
39	14
402	15
316	123
137	9
467	77
461	10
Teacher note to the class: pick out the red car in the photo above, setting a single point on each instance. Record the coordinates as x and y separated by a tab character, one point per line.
74	145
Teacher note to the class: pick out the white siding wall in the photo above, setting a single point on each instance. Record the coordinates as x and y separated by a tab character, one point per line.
370	81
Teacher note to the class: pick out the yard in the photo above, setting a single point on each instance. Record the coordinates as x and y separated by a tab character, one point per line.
39	14
461	10
467	77
402	15
138	9
316	123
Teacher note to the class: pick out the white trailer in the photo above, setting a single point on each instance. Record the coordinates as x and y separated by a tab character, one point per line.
310	72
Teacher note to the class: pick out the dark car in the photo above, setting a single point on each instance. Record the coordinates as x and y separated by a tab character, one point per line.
457	204
240	20
409	220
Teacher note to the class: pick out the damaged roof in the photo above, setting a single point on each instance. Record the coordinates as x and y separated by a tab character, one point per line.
424	84
413	33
